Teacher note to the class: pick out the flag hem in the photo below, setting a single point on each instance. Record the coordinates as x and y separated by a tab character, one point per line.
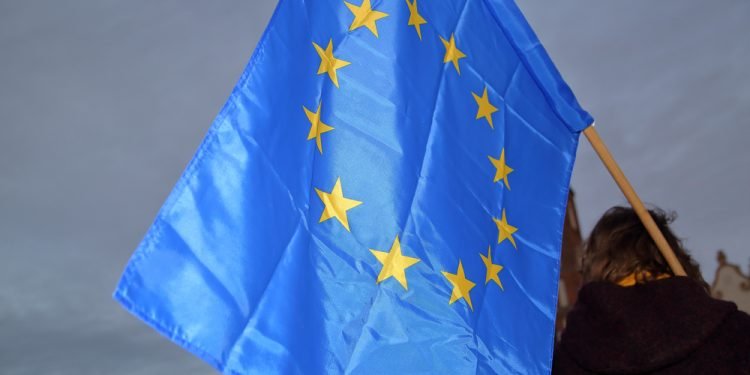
170	333
561	229
142	252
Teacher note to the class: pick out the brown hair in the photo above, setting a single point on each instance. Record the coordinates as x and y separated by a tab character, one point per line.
620	246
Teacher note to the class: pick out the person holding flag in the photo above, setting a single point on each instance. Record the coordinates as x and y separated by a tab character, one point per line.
635	316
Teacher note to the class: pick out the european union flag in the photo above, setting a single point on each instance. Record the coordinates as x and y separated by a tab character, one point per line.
383	193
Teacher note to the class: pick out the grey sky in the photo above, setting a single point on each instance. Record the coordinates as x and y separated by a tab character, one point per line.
102	104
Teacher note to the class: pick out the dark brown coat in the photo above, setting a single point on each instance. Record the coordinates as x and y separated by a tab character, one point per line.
670	326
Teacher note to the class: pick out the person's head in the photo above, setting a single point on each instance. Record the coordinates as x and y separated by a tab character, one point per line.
619	246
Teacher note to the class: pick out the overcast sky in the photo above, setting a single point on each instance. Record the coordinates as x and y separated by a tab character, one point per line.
102	104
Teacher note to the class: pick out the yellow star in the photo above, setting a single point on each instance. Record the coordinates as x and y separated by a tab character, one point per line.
486	109
493	270
415	19
328	63
461	285
336	204
365	16
502	169
317	127
452	53
505	230
394	264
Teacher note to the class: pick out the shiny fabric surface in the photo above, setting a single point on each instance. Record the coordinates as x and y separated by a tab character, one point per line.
239	268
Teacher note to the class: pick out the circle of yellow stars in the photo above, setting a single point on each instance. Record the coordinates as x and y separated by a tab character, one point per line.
394	263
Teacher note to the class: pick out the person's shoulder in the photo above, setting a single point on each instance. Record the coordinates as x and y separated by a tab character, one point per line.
742	321
744	317
737	323
735	336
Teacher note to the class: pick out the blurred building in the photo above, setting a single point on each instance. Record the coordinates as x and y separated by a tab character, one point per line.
731	284
570	262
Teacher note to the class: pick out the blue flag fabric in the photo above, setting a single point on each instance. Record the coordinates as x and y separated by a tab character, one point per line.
383	193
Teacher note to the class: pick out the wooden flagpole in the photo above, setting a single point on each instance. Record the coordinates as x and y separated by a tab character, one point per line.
601	149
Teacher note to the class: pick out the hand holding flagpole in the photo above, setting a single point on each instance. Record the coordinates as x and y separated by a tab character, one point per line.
635	201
